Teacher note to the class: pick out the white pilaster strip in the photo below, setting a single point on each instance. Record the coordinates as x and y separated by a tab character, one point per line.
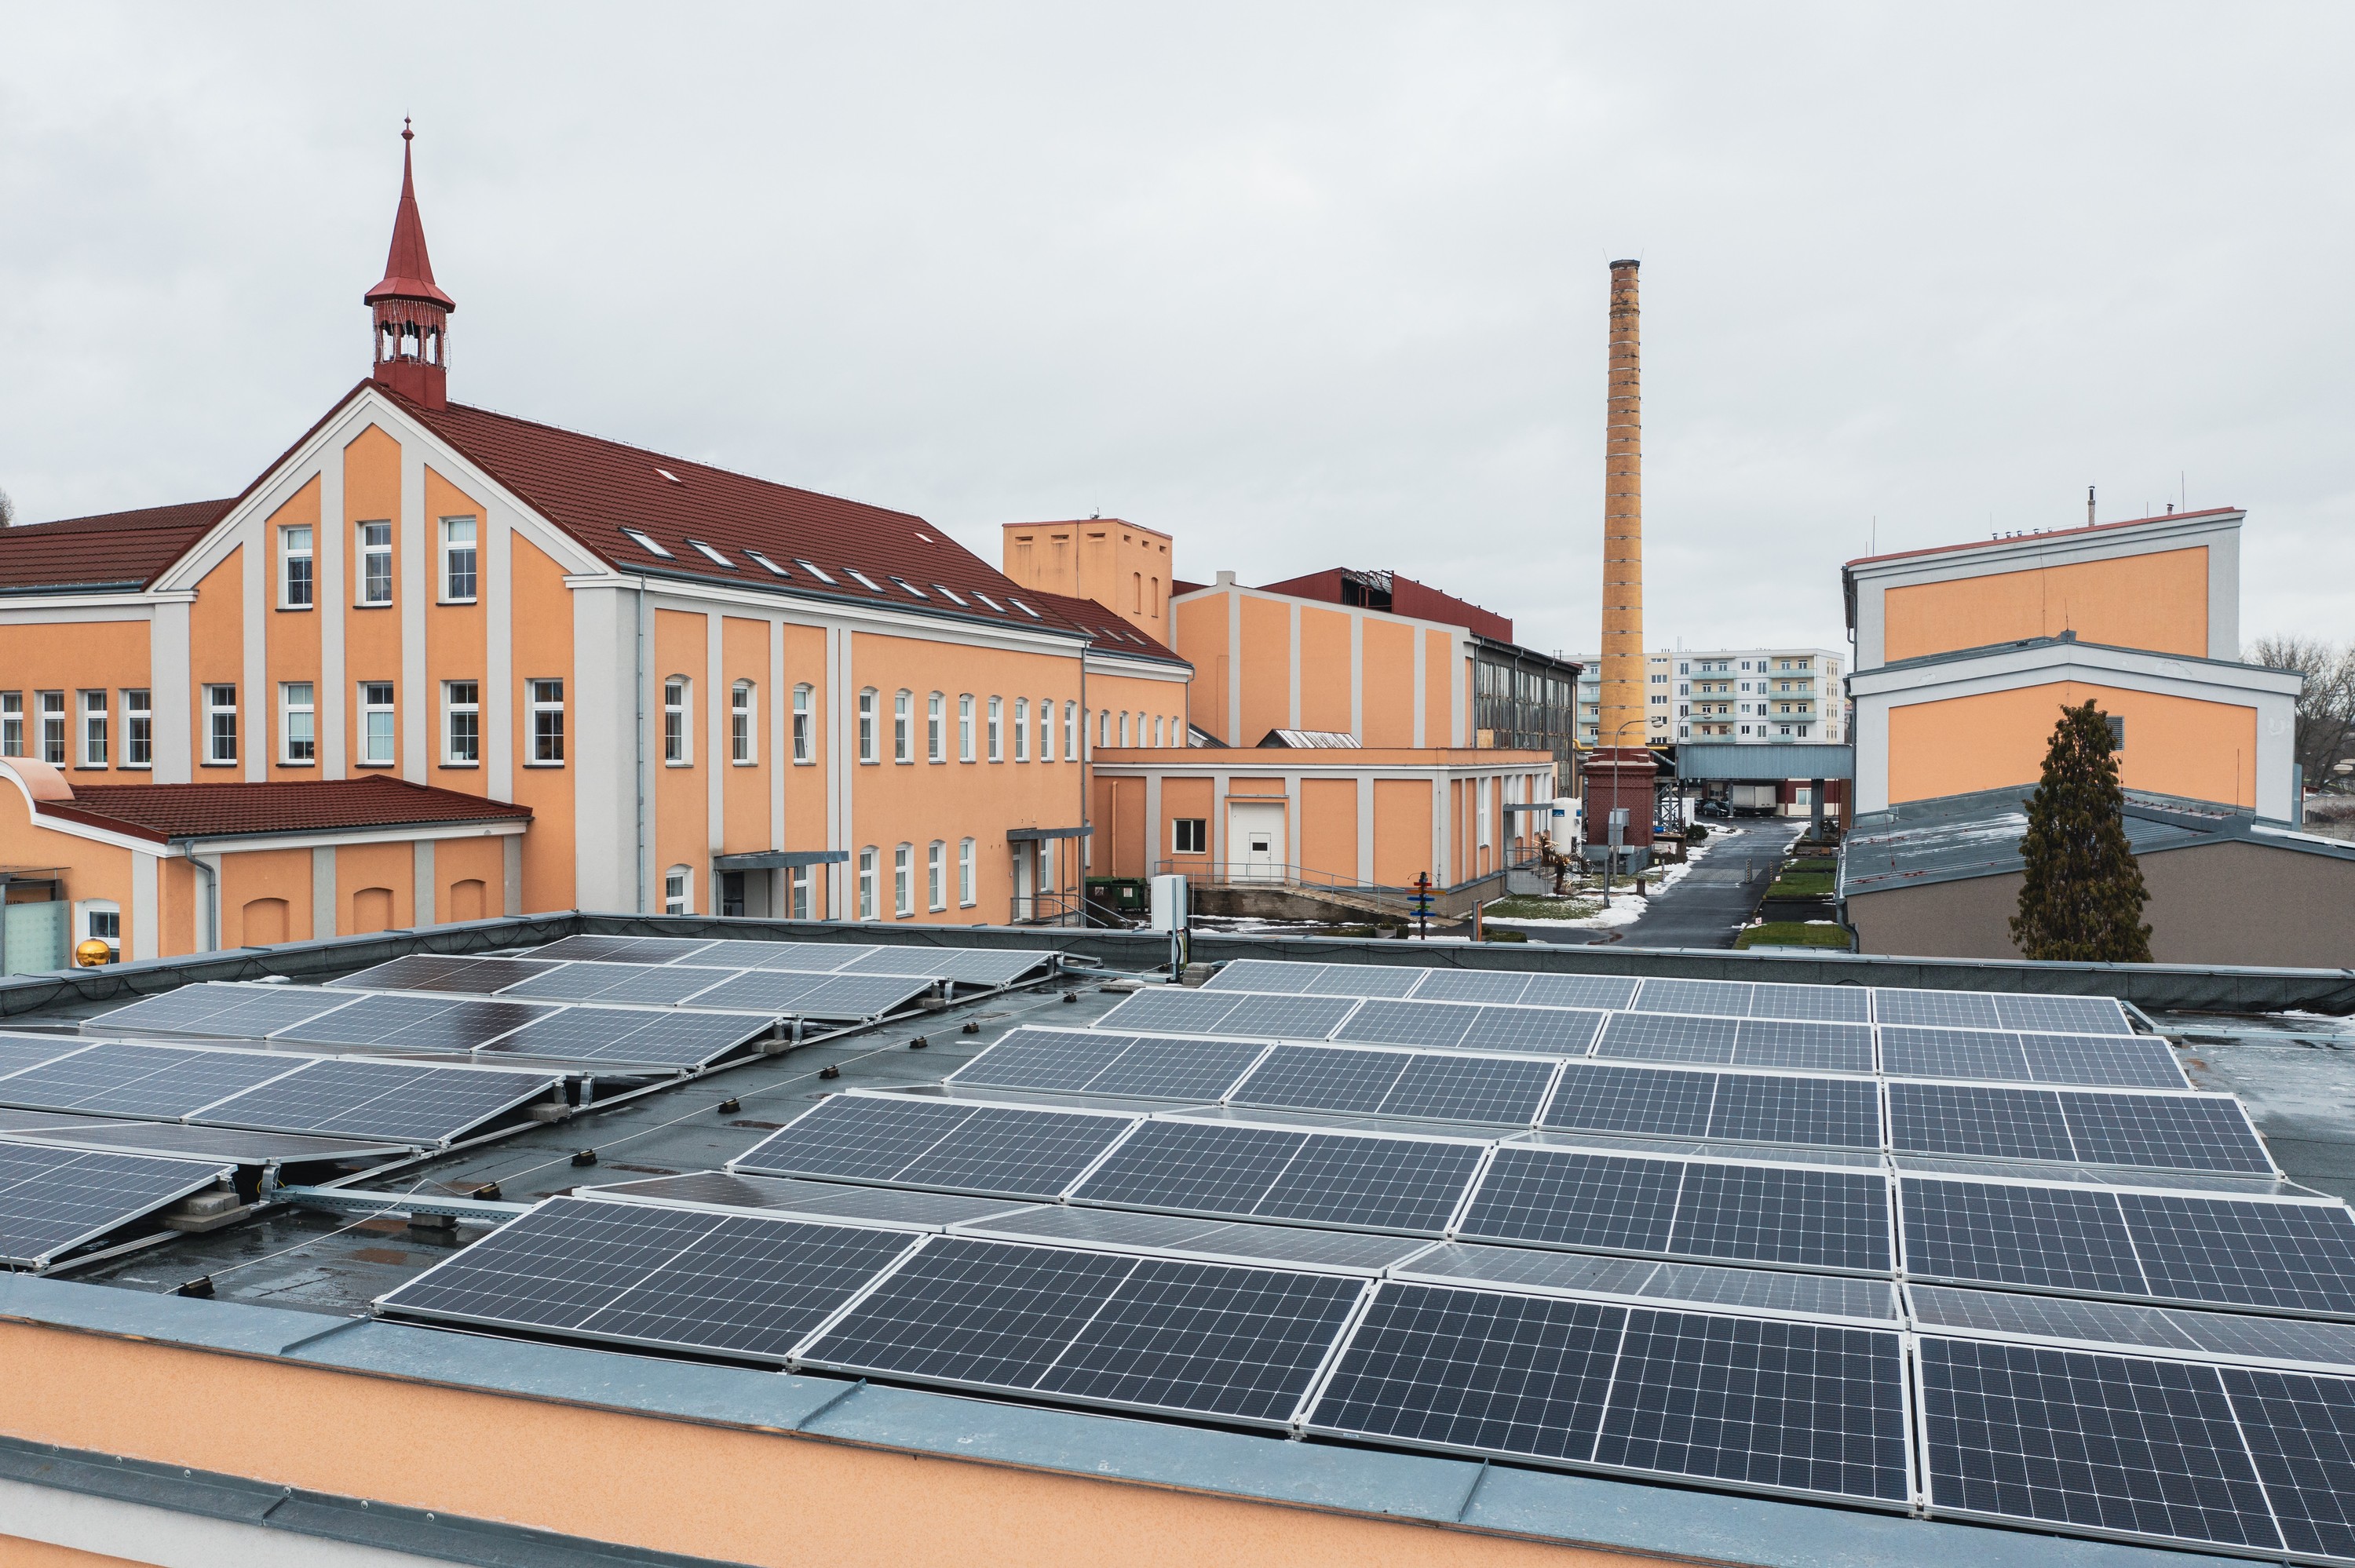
1365	827
323	892
1358	684
422	870
716	754
331	602
419	701
260	715
1294	722
495	590
169	692
1421	690
146	941
780	738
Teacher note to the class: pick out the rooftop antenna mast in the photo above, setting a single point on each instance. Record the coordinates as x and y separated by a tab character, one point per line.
2089	506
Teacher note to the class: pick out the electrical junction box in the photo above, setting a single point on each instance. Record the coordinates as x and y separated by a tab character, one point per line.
1170	905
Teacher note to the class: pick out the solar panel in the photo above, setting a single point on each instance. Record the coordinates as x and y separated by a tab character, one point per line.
1822	1004
1806	1044
1234	1240
1598	1201
1664	1037
814	996
444	973
2084	1059
747	1286
1089	1062
54	1200
2294	1257
1982	1313
357	1098
221	1010
2175	1132
965	966
1324	1077
1578	991
623	950
2301	1434
2055	1238
1277	977
1242	1345
1284	1017
1587	1274
924	1142
1937	1009
1267	975
1831	1113
1722	999
1980	1121
1652	1102
624	1037
2110	1443
179	1140
828	1199
1910	1052
1499	986
1170	1010
1544	1031
658	985
161	1081
1471	1089
1332	1179
808	957
18	1051
1436	1024
2062	1014
389	1021
1776	1406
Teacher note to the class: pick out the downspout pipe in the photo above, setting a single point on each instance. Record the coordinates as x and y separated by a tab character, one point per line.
209	910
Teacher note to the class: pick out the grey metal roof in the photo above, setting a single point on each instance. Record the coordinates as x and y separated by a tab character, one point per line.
1798	759
1957	837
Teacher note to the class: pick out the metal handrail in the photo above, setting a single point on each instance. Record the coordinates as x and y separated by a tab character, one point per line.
1045	909
1300	877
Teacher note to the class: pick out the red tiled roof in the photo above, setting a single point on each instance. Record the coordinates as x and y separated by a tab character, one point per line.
2047	533
595	489
1111	633
162	811
115	550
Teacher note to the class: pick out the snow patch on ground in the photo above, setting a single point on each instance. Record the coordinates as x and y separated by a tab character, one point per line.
1625	907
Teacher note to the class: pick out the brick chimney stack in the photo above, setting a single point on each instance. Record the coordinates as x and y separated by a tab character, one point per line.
1621	767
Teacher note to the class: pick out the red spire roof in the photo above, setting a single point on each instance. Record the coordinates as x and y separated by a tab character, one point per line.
407	271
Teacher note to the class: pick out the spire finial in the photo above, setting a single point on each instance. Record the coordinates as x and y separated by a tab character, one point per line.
406	133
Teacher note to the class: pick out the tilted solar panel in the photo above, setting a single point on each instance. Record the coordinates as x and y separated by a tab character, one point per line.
623	950
1937	1009
2084	1059
393	1020
1978	1120
1821	1004
924	1142
2062	1014
18	1051
1649	1102
2164	1131
1500	987
1285	1017
1722	999
966	966
1170	1010
824	1200
1666	1037
1807	1045
1828	1113
1346	1181
1238	1241
658	985
808	957
627	1037
221	1010
163	1081
1433	1024
1987	1056
54	1200
2051	1238
1265	975
451	972
2132	1326
1541	1031
357	1098
1578	991
1074	1061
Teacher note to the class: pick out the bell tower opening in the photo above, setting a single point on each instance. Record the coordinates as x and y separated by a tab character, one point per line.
410	351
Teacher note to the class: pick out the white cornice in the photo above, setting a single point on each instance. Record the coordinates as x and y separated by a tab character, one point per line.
2043	661
850	614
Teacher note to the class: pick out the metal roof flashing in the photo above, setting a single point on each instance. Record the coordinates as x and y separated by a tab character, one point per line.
1536	1505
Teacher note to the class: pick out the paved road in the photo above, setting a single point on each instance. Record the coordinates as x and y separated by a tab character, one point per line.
1713	899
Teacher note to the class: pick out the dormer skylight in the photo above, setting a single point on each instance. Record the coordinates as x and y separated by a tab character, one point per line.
812	571
1024	607
947	593
864	580
989	601
670	476
911	587
713	553
773	569
646	542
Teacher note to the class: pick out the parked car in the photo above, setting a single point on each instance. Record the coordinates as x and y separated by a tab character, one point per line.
1717	809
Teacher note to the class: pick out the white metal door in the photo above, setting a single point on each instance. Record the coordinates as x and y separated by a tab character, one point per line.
1255	840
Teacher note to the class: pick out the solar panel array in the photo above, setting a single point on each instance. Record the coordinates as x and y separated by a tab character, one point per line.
411	1104
977	967
55	1199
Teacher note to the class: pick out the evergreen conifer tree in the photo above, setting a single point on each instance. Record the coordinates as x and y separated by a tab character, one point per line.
2083	895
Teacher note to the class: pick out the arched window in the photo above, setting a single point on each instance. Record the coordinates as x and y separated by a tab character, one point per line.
903	880
1021	729
904	721
867	883
935	728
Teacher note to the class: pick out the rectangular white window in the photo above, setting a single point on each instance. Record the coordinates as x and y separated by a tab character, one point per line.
461	723
964	727
376	563
678	734
298	719
742	743
998	729
904	724
1480	798
12	723
1021	729
1189	835
138	729
936	876
797	885
295	580
458	560
377	723
1045	729
547	699
866	725
964	873
802	743
53	727
867	883
1072	731
903	880
221	724
678	897
93	729
935	727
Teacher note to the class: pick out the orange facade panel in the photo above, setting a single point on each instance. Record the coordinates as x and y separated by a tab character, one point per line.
1324	670
1267	669
1328	827
2174	746
1402	840
2156	601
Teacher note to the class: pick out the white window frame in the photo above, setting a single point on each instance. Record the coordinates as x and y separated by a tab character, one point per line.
965	896
1103	727
868	698
678	728
743	735
867	883
297	590
1072	731
1045	729
1480	812
544	697
936	876
1021	729
99	919
903	726
997	729
936	725
965	727
92	729
904	881
1123	729
12	723
804	752
374	540
370	710
1178	835
797	891
138	727
678	890
455	708
221	702
298	724
462	549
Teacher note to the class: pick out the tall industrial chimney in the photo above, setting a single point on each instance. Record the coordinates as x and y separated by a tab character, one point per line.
1620	769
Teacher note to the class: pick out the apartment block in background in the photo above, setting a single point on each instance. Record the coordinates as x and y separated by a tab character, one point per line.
1754	696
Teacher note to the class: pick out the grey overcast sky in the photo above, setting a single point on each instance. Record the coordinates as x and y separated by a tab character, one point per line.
1304	285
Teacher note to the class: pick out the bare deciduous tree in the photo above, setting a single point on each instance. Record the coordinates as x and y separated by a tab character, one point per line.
2326	708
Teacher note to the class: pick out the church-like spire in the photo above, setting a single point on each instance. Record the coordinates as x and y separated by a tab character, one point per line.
411	313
